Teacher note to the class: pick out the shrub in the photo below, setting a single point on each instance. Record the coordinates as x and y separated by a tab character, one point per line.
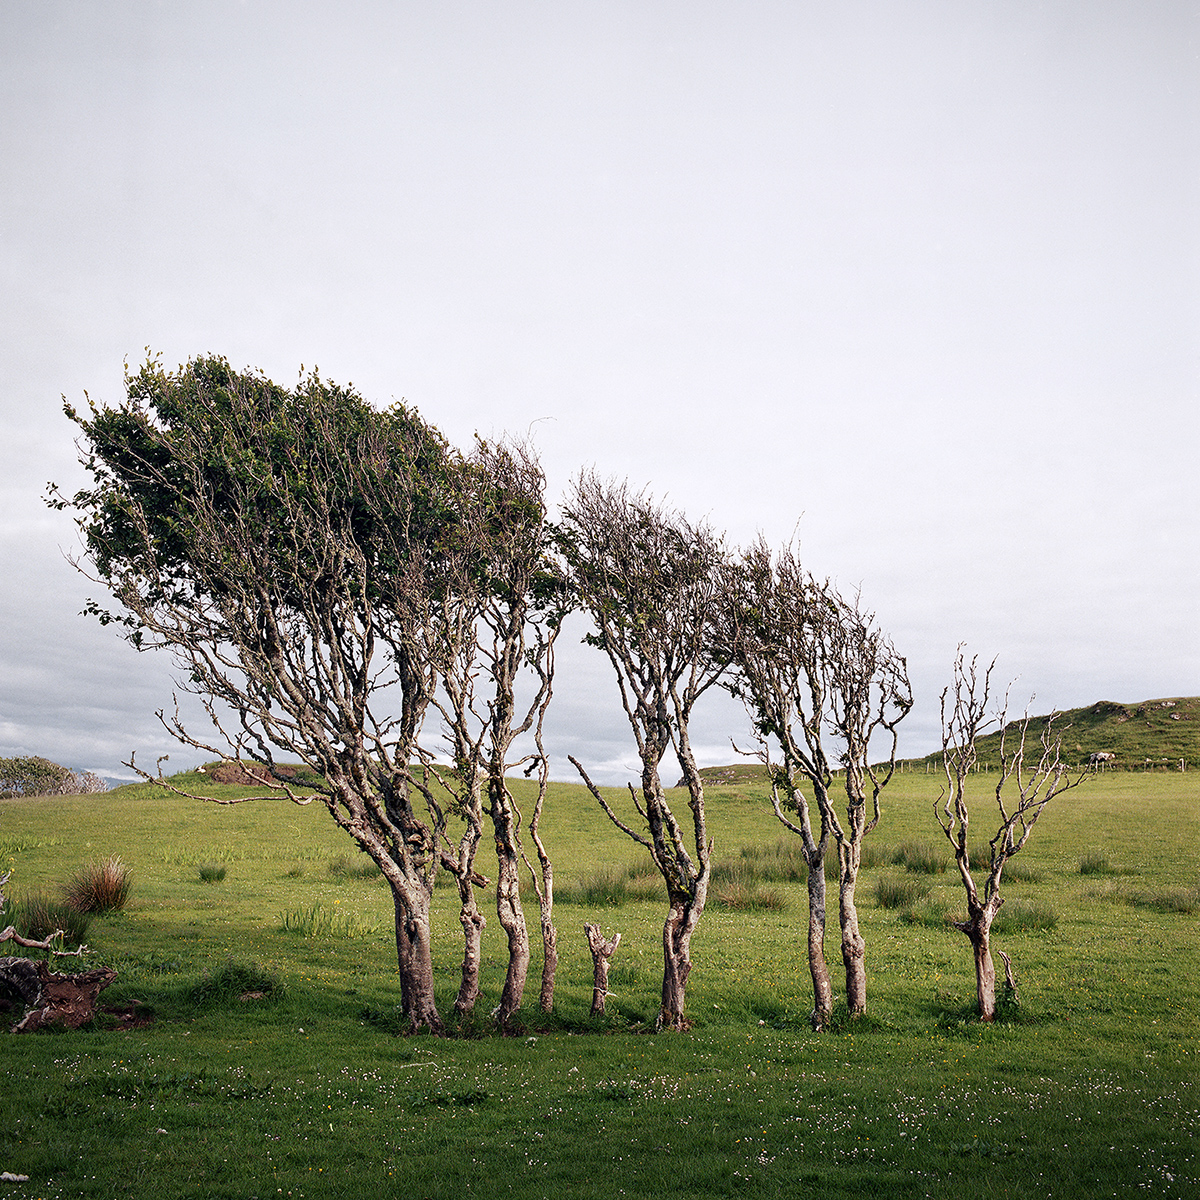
37	916
99	887
901	892
212	872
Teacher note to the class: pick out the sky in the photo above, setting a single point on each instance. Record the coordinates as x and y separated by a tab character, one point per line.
916	283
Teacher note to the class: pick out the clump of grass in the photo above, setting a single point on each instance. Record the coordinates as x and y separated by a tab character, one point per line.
318	921
873	854
1017	870
741	897
295	872
36	916
927	914
1173	900
99	887
1024	916
231	982
212	872
1095	862
901	892
920	858
342	866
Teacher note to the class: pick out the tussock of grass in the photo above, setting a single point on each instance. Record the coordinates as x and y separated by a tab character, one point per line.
230	982
922	858
1096	862
99	887
36	916
928	914
901	892
342	866
318	921
753	898
212	872
1024	916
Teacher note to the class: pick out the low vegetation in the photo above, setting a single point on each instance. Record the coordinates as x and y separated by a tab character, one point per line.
269	1059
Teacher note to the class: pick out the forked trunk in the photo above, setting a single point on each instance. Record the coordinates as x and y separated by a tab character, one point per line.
512	919
416	963
677	963
822	988
853	946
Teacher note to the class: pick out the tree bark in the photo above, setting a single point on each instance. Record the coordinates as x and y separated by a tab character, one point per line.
602	950
682	918
68	1000
978	928
549	947
512	920
817	966
853	946
473	922
415	959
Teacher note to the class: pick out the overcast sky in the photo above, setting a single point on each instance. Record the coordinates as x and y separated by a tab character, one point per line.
916	280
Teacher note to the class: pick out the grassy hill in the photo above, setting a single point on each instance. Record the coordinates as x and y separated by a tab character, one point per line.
1154	732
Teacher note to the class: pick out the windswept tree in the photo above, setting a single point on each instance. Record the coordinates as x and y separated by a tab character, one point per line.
498	685
649	580
286	547
820	681
1022	792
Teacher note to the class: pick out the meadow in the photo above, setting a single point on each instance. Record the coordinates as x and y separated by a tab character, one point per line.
251	1046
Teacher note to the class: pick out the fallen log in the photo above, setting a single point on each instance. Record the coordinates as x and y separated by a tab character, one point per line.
51	998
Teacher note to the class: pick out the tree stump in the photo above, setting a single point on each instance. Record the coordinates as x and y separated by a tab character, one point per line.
602	951
51	998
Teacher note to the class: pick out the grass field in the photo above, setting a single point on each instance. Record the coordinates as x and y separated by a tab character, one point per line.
1090	1088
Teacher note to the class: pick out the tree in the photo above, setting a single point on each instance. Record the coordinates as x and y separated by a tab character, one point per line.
820	680
36	776
514	598
286	547
772	617
964	720
649	580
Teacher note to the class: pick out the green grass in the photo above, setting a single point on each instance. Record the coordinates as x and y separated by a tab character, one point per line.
269	1061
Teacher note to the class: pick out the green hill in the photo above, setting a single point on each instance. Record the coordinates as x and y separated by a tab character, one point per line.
1154	732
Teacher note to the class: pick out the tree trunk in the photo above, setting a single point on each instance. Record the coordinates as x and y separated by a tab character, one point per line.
549	946
822	988
473	922
416	963
602	950
853	946
54	999
677	963
978	927
512	919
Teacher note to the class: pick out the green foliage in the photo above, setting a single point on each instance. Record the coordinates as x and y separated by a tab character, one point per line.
36	777
100	887
36	916
212	872
319	921
921	857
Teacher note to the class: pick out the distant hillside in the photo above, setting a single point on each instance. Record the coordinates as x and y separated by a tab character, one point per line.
1160	732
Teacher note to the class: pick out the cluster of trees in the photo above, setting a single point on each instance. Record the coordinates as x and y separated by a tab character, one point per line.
36	776
367	598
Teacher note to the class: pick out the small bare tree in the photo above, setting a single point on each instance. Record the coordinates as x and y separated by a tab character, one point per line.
820	680
964	720
649	580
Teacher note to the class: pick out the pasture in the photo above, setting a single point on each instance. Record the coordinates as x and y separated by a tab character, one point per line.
261	1058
